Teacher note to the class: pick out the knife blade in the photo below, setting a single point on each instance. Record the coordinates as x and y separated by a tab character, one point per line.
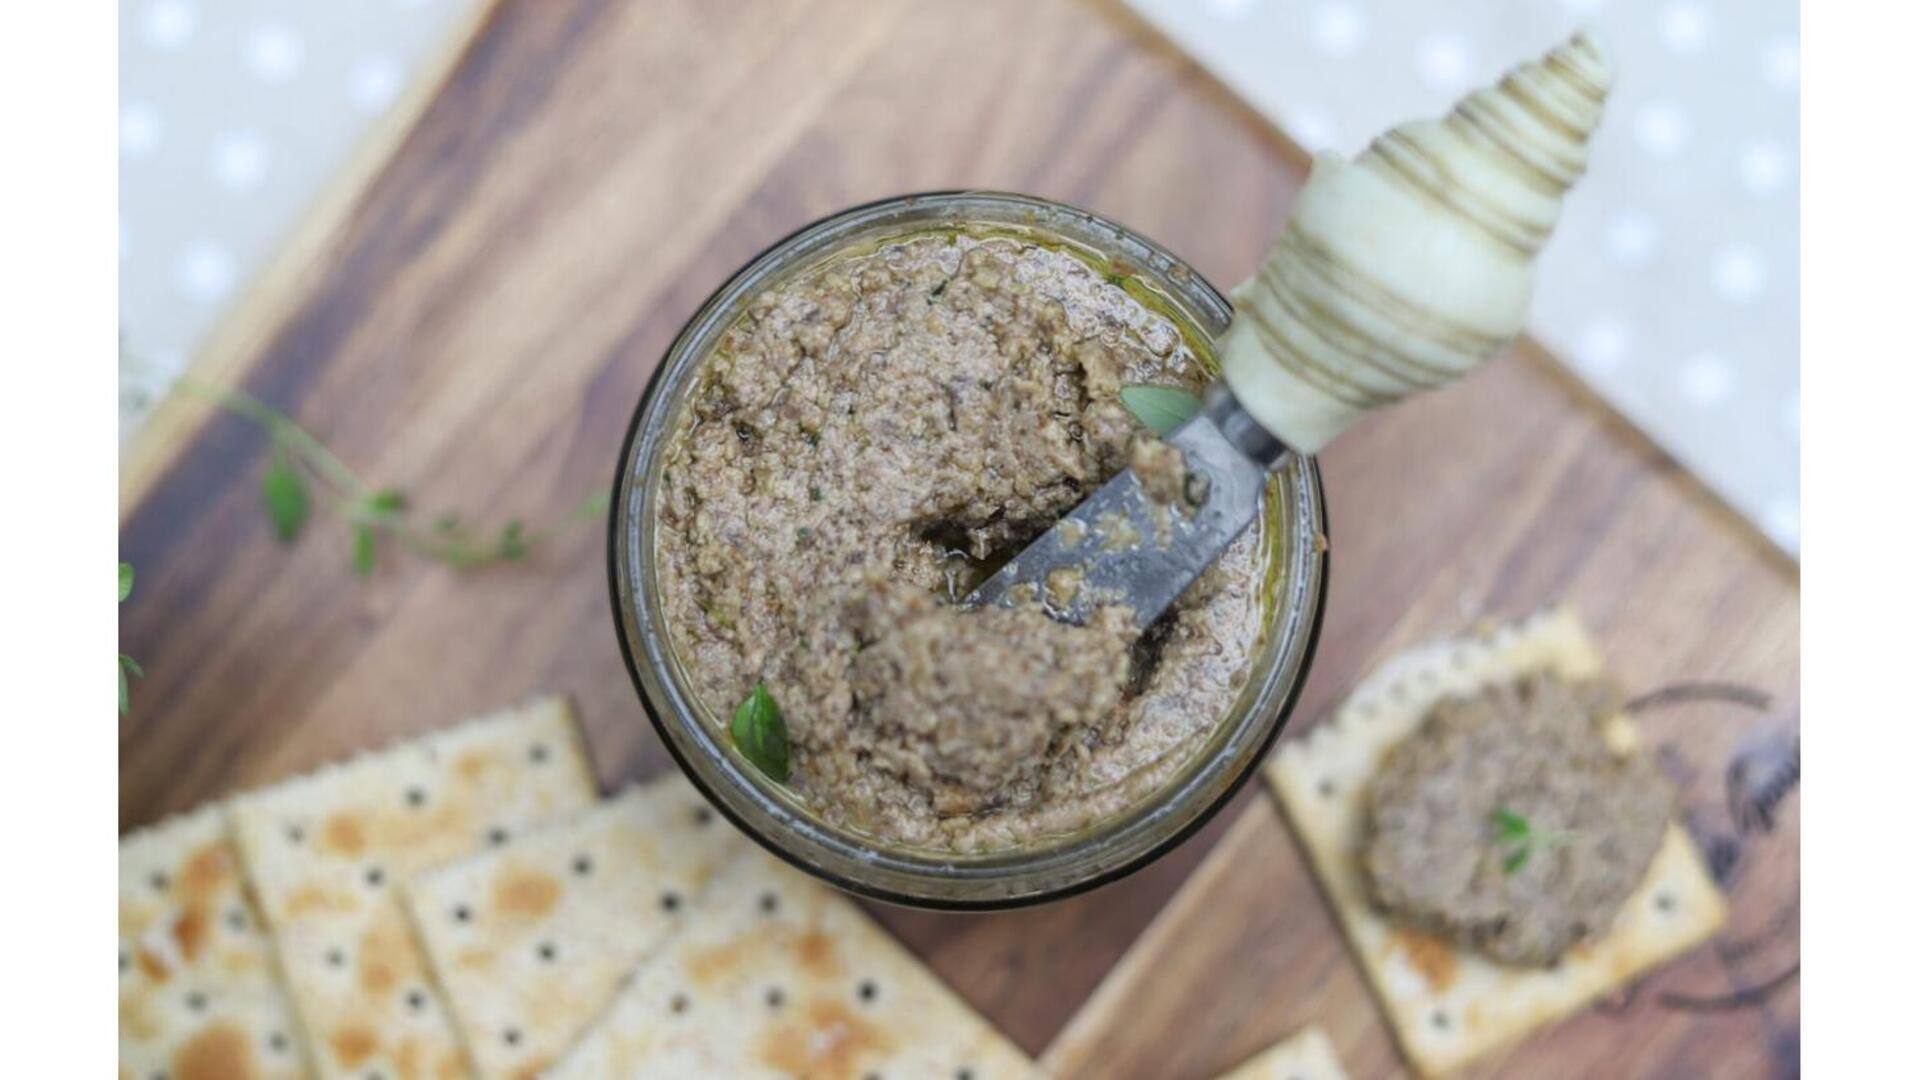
1121	545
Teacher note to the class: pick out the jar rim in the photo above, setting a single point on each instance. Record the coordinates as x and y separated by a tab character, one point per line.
1022	875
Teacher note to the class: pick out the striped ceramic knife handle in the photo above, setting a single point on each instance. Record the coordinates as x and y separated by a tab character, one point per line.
1411	265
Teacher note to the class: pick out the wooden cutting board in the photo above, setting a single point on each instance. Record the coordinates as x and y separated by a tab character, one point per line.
473	315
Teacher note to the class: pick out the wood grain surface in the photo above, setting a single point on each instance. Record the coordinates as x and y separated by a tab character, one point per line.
479	323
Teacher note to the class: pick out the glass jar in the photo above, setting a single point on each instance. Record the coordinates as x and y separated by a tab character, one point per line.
777	817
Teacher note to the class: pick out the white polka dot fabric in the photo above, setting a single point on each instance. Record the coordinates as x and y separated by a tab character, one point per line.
234	114
1673	283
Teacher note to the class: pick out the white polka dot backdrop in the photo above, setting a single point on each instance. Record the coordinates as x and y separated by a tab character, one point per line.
1684	26
240	160
1706	380
1337	29
374	81
169	24
1739	273
1633	237
204	271
139	129
1672	283
1662	128
233	116
1231	9
1312	125
274	52
1764	166
1603	344
1446	62
1780	61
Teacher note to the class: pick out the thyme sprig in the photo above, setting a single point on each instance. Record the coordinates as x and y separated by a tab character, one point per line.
301	467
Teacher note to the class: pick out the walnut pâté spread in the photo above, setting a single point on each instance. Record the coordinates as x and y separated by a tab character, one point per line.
863	446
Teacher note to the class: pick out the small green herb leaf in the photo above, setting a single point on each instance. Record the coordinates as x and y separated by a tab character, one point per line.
127	667
363	542
389	501
1520	838
1160	408
127	664
513	540
284	491
1510	826
761	734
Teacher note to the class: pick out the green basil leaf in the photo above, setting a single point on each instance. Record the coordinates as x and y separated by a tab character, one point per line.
1160	408
363	538
1515	859
389	501
284	491
761	734
126	581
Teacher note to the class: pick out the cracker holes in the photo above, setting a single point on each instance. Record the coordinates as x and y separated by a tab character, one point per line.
775	997
296	835
159	881
669	901
1438	1020
769	902
547	951
538	753
702	815
678	1003
196	1002
868	991
462	913
416	797
278	1042
496	836
336	957
126	962
582	865
511	1036
963	1073
416	1000
375	877
1326	787
1665	902
237	920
